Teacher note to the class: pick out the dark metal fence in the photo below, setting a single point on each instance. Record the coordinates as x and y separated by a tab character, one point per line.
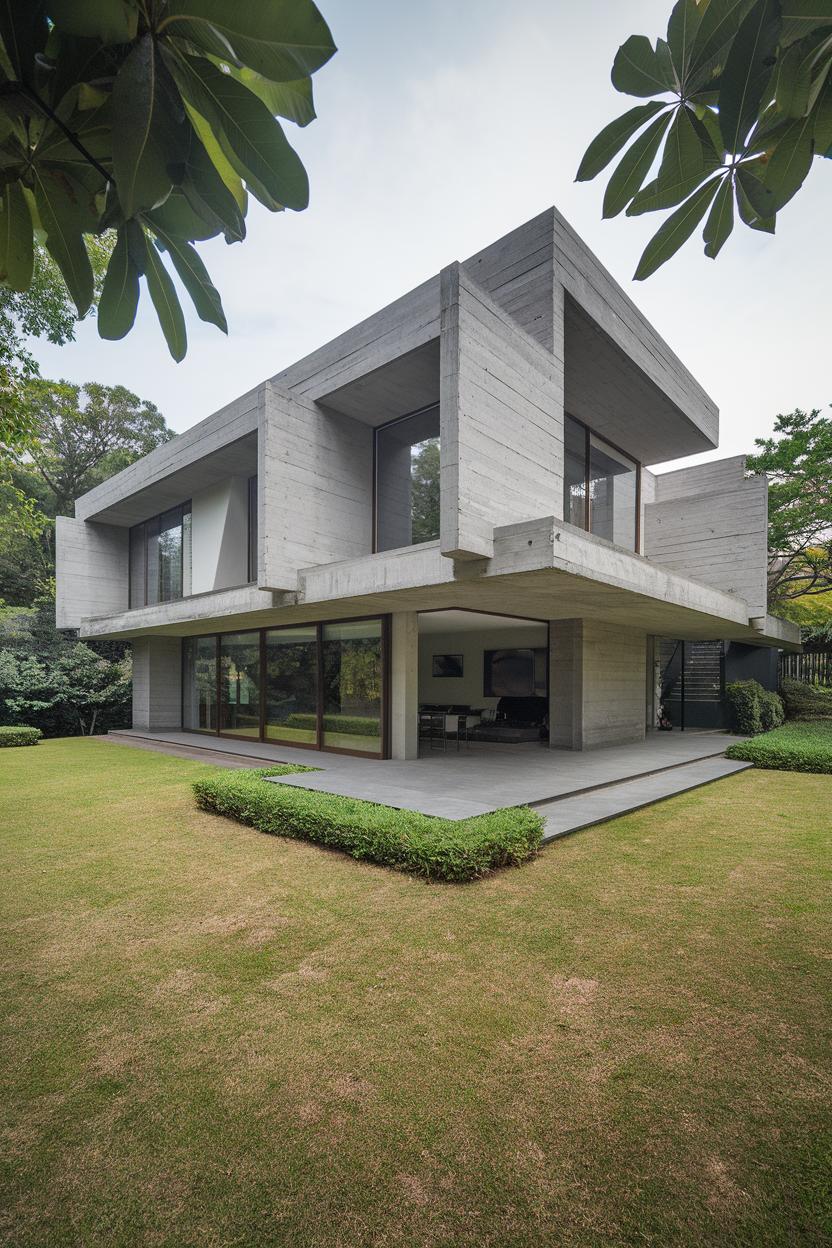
814	668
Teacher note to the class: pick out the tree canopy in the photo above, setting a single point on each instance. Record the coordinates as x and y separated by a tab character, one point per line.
153	118
798	463
741	106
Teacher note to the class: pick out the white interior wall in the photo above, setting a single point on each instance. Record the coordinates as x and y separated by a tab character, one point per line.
220	536
467	689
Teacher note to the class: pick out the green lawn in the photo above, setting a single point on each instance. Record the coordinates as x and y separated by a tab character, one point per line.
214	1037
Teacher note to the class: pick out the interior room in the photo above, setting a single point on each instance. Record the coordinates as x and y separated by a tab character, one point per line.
483	680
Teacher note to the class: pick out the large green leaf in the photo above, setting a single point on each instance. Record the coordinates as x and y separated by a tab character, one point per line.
185	217
801	17
688	159
292	100
795	80
613	137
120	292
747	70
283	39
633	167
111	21
676	230
16	247
149	137
822	114
748	213
207	191
216	156
720	221
720	23
790	161
195	279
165	301
92	127
639	69
762	200
682	28
251	139
64	208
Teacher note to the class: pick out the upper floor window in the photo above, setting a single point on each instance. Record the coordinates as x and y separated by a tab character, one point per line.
407	481
600	486
252	529
160	557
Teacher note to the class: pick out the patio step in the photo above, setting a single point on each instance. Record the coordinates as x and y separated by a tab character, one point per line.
582	810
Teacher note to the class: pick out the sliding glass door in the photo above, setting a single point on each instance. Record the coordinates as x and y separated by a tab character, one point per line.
240	684
292	685
352	686
321	686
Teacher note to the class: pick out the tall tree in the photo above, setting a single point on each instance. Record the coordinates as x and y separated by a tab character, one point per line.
798	463
742	105
154	118
86	433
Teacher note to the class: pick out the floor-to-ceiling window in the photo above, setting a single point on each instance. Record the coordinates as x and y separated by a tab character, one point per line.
407	480
199	705
160	558
291	684
314	685
600	486
240	684
352	685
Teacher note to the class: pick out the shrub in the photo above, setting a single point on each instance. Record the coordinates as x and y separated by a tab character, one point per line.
438	849
743	698
806	701
14	735
772	713
794	747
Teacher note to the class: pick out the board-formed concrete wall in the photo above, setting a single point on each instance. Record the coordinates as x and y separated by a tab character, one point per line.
91	570
501	413
710	523
597	681
314	488
157	683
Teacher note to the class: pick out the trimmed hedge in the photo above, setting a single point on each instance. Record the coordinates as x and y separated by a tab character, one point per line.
354	725
437	849
752	709
13	735
794	747
806	701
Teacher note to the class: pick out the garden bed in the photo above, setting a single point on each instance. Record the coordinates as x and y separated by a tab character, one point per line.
794	747
438	849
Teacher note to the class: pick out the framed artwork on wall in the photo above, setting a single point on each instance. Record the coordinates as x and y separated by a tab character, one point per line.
447	665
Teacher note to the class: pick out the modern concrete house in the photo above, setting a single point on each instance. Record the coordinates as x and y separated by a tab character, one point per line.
446	511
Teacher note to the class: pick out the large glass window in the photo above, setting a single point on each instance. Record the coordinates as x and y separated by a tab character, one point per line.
160	558
407	481
199	710
574	473
292	685
240	684
612	494
600	486
352	680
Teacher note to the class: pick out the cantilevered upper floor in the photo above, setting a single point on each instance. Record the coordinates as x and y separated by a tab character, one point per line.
484	437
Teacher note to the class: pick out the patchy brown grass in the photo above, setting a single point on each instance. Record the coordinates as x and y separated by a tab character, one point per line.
213	1037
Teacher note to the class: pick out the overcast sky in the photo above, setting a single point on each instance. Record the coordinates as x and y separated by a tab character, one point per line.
442	126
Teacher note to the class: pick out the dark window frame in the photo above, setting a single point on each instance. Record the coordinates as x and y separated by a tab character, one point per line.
377	429
588	435
184	509
318	625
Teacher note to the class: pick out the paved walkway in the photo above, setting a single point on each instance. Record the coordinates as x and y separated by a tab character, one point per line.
473	781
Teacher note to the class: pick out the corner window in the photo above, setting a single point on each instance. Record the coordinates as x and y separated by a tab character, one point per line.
407	481
160	558
600	486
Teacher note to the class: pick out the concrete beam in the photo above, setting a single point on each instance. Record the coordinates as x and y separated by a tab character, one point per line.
157	683
91	570
404	685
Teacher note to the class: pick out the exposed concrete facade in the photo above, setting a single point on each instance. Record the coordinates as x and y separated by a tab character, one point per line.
504	343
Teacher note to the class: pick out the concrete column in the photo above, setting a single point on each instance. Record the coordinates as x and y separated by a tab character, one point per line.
404	685
157	682
597	677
